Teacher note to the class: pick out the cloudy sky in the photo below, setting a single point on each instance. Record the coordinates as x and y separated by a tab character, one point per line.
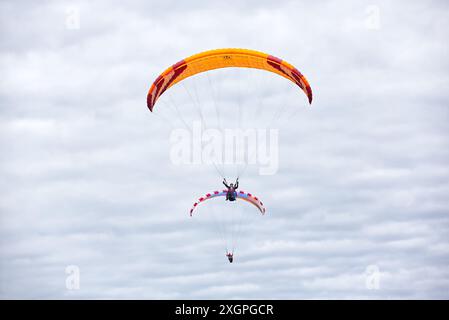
359	207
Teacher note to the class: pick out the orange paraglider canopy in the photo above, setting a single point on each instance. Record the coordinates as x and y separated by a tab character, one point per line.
224	58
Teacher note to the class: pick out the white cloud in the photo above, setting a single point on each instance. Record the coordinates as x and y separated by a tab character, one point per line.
87	181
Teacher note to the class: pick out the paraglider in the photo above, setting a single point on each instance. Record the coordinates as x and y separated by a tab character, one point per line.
231	194
218	59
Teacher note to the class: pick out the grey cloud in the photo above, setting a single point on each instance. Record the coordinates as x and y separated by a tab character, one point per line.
87	178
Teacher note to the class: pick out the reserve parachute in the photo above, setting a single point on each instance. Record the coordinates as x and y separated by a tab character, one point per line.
240	195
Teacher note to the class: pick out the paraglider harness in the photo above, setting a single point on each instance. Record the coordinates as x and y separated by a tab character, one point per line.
230	257
232	194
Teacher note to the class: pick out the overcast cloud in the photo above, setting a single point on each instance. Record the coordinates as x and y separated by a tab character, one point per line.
86	178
